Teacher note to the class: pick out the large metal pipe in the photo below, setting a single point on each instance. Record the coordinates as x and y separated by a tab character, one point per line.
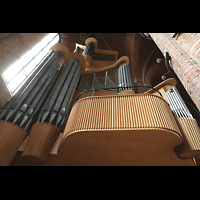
42	83
177	104
119	77
45	132
68	98
32	111
55	92
89	50
12	135
24	86
15	106
63	92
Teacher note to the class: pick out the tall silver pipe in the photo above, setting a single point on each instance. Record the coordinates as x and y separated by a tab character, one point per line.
177	104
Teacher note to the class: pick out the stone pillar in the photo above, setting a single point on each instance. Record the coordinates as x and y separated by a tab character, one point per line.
185	58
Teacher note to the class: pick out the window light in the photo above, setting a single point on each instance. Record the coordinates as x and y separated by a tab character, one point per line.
12	70
21	69
27	57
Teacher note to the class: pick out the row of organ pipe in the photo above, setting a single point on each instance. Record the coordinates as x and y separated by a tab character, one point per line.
43	100
41	107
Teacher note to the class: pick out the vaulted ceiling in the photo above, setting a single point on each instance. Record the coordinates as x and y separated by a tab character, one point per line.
142	53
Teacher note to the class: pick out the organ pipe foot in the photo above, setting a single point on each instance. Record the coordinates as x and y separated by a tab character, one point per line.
191	138
40	142
11	137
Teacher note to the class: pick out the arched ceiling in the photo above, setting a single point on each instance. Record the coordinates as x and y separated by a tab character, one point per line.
133	45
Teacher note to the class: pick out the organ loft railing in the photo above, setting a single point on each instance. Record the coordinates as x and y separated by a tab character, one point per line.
82	108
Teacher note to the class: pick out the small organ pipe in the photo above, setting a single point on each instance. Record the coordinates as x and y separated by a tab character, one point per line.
124	77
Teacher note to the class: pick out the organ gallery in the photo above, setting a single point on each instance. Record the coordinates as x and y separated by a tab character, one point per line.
86	108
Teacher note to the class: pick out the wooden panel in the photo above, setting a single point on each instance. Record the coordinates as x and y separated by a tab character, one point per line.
99	66
191	136
128	112
40	142
121	130
101	51
11	137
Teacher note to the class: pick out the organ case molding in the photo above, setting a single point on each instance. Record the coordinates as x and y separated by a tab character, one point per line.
121	130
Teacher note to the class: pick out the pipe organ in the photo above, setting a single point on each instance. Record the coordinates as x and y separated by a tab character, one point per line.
82	108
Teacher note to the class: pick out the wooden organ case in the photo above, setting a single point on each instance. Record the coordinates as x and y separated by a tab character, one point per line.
113	122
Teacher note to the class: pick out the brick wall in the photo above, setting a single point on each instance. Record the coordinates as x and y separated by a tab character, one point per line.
185	57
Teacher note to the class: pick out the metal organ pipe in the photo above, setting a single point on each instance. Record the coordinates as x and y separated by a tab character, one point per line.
41	103
89	50
124	77
15	115
177	104
187	125
24	86
52	116
40	108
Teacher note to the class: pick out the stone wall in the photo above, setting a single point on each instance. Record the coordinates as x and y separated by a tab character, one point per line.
185	56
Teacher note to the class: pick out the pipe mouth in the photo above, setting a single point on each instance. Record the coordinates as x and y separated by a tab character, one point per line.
40	142
11	137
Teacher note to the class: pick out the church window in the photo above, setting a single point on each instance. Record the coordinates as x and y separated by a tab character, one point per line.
17	73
